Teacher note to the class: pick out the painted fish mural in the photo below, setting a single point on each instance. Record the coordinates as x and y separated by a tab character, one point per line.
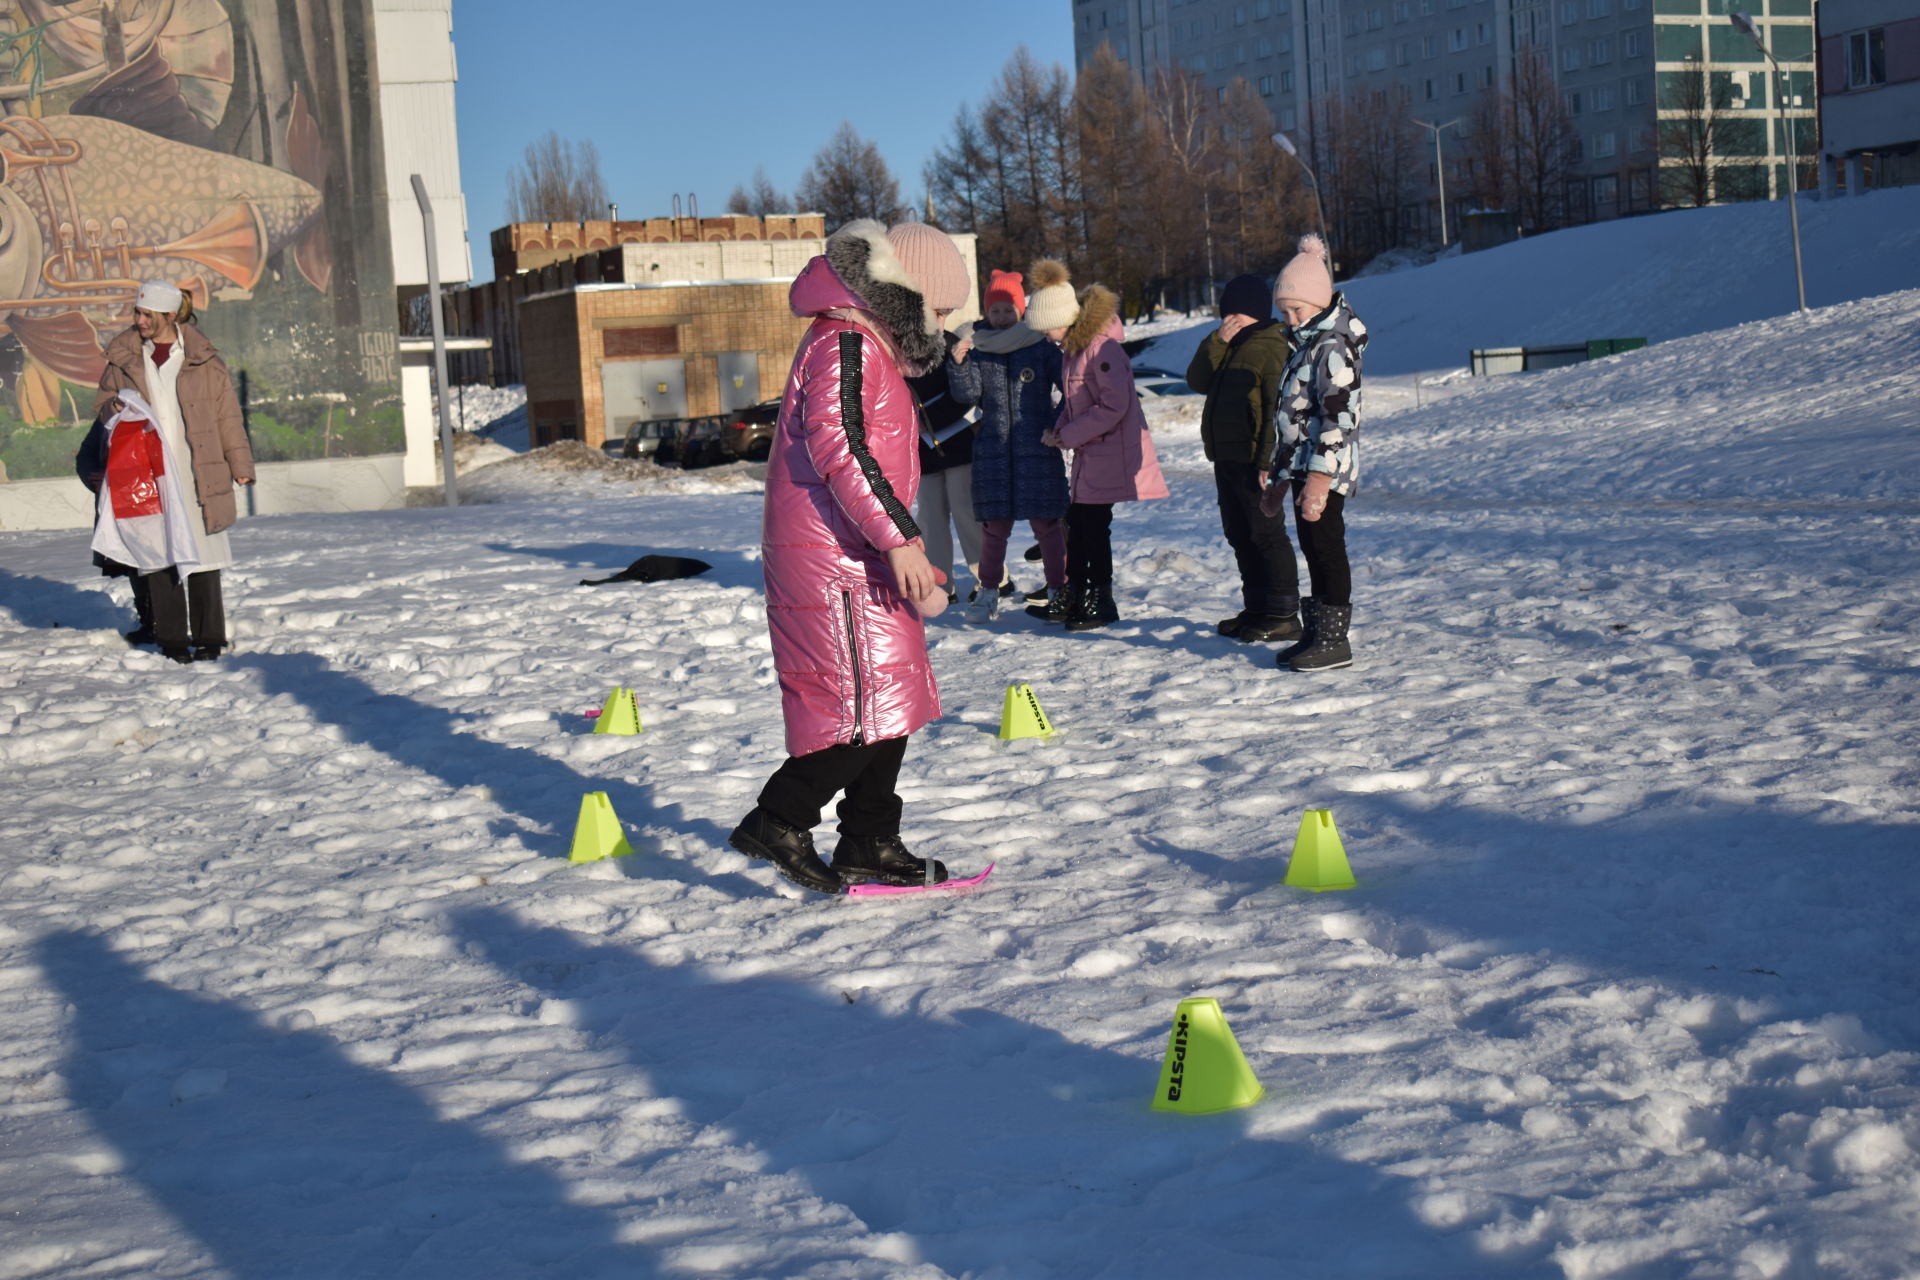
90	207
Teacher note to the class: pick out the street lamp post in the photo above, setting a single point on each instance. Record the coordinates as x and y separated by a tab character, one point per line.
1745	24
1440	170
1285	143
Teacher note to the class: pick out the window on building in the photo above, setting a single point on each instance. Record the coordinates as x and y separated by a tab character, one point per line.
1459	82
1867	58
1262	9
1574	102
1266	86
1600	98
1239	52
1430	47
1486	77
1433	90
1376	18
1239	15
1403	11
1120	48
1570	58
1289	119
1633	91
1353	65
1456	40
1263	47
1286	82
1569	12
1599	8
1219	59
1377	59
1600	52
1631	45
1403	53
1285	44
1353	23
1604	145
1483	33
1629	6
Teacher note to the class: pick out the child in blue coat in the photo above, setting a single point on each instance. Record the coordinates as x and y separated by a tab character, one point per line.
1013	374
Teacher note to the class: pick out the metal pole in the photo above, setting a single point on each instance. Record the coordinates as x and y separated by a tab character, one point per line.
1793	178
1744	23
1285	143
1440	171
439	342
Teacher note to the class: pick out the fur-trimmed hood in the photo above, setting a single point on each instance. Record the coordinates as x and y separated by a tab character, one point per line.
860	271
1099	311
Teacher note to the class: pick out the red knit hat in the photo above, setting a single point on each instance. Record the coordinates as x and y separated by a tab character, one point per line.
1005	285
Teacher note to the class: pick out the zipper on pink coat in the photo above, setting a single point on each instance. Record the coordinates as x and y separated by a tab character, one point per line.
853	651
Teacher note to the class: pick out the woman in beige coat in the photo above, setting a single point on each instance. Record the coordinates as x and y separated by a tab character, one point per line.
175	369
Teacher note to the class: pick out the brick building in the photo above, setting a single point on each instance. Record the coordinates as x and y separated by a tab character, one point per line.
613	323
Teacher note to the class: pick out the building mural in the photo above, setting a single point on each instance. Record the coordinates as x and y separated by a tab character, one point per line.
230	147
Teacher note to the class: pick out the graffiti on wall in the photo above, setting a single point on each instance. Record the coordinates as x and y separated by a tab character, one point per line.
229	147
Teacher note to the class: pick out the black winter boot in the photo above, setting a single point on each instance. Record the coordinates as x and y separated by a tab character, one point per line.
1230	627
1094	608
1278	626
862	859
790	850
1305	642
1330	647
1060	603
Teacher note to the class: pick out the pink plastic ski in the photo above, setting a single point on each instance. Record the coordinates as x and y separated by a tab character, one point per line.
873	890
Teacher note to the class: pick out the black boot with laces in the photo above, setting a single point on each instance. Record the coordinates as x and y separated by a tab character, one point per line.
789	849
883	860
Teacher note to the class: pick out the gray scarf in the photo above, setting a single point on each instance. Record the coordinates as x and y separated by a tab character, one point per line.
1000	341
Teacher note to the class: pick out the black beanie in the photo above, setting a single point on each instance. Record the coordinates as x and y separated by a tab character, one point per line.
1247	296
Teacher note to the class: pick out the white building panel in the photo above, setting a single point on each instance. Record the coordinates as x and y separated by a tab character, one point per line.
417	73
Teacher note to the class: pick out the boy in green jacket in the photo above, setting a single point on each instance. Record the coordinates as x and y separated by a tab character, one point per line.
1238	369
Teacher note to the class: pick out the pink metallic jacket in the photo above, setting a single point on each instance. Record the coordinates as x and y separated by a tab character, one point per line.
850	651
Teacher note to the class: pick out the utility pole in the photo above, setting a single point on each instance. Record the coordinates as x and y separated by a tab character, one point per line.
1285	143
1440	171
1748	27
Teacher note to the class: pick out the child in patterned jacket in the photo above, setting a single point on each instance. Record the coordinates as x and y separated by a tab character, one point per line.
1315	452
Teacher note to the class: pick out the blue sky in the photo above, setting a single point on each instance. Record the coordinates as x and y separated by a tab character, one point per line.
690	97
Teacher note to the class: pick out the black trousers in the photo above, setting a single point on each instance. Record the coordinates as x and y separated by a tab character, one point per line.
142	600
799	790
1269	578
1090	543
1324	543
193	614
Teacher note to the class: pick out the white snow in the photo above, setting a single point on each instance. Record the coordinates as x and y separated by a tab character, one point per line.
1658	277
298	981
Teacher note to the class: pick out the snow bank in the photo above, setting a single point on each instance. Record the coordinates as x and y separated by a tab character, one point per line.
1662	276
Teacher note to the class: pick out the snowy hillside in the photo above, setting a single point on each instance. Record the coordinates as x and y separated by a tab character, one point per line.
298	982
1663	276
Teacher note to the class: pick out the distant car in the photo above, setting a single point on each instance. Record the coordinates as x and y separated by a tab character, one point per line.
1161	384
642	440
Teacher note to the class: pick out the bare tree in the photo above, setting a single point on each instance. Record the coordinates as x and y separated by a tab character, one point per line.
1522	150
556	181
759	200
1695	133
849	179
1374	151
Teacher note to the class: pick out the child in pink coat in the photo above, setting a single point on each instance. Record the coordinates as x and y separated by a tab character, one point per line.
1101	421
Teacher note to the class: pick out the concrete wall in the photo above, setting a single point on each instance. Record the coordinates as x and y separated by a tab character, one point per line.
334	484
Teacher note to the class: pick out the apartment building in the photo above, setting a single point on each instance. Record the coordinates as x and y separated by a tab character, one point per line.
1869	94
1623	66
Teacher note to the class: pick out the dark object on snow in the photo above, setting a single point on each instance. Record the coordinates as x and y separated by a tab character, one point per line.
653	569
1329	648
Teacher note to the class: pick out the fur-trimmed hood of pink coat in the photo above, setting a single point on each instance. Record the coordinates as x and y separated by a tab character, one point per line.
850	652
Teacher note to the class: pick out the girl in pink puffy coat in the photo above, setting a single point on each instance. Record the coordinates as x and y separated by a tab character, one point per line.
846	573
1101	421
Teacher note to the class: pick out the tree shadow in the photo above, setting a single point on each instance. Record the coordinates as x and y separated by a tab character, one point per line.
49	604
999	1147
543	792
285	1158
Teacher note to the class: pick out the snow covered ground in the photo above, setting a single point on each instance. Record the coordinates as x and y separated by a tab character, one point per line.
1659	277
298	982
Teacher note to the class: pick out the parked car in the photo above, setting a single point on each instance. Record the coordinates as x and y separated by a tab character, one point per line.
748	433
642	440
1162	385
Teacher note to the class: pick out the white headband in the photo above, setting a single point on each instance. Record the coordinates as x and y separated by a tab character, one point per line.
157	295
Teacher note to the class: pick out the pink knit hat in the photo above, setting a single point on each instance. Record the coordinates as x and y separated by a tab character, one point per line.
931	258
1306	278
